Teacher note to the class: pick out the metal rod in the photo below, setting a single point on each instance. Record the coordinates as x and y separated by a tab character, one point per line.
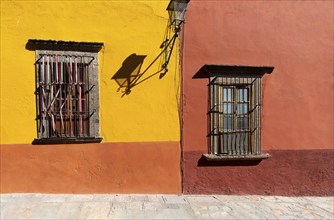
215	93
211	117
259	118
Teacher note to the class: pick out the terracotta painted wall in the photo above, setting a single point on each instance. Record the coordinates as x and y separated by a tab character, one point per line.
151	167
296	37
139	130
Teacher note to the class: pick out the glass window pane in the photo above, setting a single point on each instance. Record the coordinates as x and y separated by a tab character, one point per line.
242	108
242	123
228	123
240	93
228	94
225	94
243	95
228	108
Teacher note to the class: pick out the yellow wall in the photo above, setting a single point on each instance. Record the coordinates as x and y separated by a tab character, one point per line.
148	113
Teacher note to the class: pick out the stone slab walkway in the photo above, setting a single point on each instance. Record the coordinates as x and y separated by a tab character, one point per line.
120	206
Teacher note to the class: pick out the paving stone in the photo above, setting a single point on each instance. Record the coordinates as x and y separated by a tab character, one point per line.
325	203
199	208
282	199
225	198
19	211
156	198
152	206
225	208
224	215
134	206
69	210
116	206
103	197
46	210
170	206
80	198
5	198
318	212
22	198
60	198
177	199
117	210
95	210
241	209
123	206
3	209
139	198
208	200
123	197
185	213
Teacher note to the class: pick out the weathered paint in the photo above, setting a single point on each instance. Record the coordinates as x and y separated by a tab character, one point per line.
148	113
296	37
286	173
91	168
140	152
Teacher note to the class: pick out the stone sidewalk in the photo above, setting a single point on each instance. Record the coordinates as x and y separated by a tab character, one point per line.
128	206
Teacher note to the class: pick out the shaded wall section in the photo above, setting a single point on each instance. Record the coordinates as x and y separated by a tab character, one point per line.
140	152
152	167
296	37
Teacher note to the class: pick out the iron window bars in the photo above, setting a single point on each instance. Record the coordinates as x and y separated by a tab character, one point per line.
235	110
235	97
62	95
67	97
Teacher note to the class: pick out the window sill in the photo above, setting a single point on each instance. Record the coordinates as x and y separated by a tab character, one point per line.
82	140
214	157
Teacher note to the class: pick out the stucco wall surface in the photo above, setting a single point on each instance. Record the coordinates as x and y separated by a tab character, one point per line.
148	113
286	173
296	37
91	168
140	152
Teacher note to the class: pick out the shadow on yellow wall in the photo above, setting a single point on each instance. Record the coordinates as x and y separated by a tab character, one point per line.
129	75
129	72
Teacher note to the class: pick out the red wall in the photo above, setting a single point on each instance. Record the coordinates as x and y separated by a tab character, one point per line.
296	37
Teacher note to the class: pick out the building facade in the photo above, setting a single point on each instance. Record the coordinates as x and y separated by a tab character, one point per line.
88	106
136	111
294	37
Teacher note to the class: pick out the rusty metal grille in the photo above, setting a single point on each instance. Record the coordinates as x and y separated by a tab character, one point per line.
62	95
235	114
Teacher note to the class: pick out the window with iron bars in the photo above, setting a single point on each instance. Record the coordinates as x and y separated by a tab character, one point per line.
235	116
234	111
67	97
